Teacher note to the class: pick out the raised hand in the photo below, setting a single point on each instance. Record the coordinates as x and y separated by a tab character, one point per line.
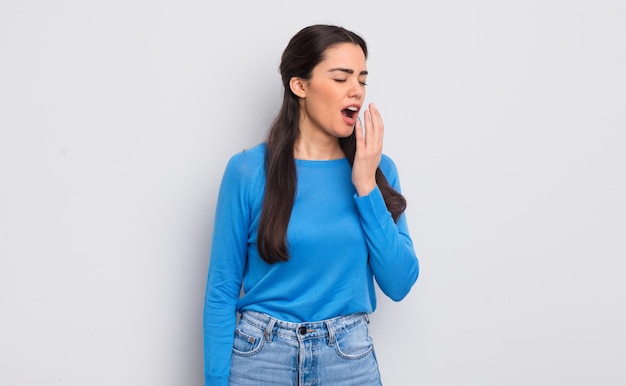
369	148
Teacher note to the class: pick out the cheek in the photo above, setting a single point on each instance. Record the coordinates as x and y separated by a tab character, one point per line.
322	106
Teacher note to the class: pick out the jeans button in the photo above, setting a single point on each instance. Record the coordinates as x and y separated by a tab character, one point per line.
302	330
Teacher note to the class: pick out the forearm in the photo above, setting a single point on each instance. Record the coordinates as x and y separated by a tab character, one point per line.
392	256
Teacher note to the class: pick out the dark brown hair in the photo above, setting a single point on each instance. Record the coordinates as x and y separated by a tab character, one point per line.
303	52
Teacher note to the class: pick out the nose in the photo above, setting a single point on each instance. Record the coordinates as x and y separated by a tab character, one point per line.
357	90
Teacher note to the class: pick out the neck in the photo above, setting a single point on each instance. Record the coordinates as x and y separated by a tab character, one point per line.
306	149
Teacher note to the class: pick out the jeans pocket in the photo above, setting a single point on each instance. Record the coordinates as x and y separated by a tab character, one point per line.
354	342
248	340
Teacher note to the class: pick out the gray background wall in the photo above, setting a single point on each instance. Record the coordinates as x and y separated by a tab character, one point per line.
506	120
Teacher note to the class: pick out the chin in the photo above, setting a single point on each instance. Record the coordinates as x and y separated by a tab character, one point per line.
345	132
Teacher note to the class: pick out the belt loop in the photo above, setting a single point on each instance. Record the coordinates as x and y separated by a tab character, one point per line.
367	318
331	332
268	329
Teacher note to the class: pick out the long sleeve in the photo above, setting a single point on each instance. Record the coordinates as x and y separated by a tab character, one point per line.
392	255
327	227
228	257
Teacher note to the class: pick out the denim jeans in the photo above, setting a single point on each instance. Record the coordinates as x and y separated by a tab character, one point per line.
334	352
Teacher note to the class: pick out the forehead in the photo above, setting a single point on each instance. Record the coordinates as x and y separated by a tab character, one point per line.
344	55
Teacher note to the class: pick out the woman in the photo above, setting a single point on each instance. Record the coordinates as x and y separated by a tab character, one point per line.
305	222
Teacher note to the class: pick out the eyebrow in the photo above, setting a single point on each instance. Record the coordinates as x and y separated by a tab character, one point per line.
347	70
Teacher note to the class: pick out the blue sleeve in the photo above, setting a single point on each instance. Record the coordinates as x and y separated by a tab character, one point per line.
228	259
392	255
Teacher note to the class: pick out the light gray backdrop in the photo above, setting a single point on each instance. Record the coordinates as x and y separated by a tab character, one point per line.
506	119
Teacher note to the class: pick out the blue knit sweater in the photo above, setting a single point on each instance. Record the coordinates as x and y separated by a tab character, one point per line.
338	243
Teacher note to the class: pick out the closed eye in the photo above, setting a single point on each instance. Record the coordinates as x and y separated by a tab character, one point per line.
343	80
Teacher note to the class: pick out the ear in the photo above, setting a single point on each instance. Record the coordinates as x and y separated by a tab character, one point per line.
297	86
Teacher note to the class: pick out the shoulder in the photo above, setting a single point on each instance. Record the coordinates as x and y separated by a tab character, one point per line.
388	166
389	169
247	161
244	170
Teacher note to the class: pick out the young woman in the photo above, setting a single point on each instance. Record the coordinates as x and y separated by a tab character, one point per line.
304	223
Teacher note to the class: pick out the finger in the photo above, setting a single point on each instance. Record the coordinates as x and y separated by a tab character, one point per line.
377	118
367	117
358	130
377	127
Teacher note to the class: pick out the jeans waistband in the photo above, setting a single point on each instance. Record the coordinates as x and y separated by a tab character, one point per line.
302	331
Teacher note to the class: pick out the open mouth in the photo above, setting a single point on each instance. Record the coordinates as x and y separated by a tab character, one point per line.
350	112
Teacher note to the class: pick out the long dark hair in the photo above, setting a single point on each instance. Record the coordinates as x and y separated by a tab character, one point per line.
304	51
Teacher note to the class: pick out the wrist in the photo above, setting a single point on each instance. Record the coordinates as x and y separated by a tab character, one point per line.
365	189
